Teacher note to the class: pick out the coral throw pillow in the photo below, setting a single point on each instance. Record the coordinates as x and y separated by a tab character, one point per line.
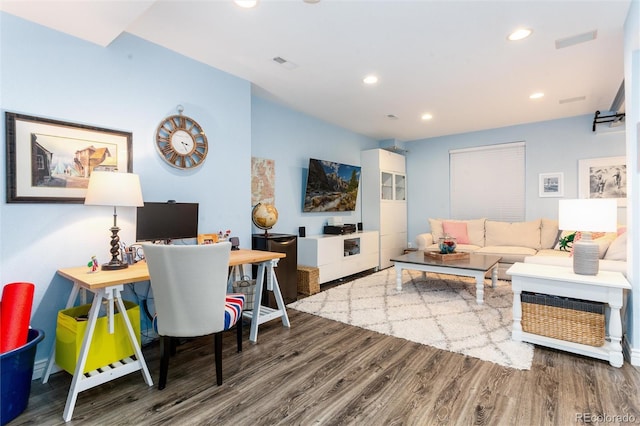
458	230
594	236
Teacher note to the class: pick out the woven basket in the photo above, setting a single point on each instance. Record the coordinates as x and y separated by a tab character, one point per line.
247	287
308	280
563	318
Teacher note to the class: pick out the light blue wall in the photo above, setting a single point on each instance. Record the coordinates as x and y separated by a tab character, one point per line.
291	138
131	85
551	146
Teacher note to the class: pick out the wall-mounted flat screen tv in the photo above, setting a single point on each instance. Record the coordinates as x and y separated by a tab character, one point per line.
157	221
331	187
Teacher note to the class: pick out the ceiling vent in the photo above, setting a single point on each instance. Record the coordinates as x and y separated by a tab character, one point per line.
569	100
576	39
286	64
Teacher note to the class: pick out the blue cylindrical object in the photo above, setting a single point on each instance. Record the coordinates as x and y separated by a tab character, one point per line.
16	368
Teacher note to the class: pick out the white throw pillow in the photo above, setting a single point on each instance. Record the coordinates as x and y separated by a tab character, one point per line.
618	249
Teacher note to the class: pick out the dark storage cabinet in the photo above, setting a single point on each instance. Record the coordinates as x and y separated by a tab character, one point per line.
287	268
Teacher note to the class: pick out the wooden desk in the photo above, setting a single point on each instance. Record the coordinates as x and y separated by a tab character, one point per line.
108	285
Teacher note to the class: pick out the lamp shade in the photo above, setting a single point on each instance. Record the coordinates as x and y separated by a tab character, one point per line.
114	189
588	215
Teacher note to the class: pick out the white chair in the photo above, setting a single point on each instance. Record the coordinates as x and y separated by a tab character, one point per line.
189	285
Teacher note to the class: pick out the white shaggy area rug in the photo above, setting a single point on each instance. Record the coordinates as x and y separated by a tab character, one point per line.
441	312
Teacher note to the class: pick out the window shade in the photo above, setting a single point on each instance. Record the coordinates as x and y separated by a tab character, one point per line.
488	182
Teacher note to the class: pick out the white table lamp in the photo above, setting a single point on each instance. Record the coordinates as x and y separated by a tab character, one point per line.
587	216
114	189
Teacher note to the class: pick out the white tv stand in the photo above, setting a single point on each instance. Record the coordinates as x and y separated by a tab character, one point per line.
338	256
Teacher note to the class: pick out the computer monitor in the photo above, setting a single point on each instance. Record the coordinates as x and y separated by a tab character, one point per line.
166	221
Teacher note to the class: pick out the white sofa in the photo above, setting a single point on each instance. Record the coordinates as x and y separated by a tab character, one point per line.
534	241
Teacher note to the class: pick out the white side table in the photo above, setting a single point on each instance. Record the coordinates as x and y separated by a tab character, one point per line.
607	287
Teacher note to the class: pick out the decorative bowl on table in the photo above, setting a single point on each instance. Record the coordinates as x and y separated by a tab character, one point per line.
447	244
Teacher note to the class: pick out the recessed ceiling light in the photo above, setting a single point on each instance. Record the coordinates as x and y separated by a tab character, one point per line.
311	1
370	79
520	34
247	4
536	95
426	116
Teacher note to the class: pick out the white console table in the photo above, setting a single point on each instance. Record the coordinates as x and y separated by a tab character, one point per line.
607	287
338	256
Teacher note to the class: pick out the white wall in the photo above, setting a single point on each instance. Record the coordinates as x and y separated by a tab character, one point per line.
131	85
551	146
632	104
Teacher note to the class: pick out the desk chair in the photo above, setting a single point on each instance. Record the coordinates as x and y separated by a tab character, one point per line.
189	287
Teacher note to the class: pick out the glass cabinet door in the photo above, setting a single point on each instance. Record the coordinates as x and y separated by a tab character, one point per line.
400	187
392	186
386	186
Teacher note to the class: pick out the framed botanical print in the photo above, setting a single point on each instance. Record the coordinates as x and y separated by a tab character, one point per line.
50	161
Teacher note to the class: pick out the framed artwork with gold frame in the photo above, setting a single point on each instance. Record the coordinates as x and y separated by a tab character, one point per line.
207	238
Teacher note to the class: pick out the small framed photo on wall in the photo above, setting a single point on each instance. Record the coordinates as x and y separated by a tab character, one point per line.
551	184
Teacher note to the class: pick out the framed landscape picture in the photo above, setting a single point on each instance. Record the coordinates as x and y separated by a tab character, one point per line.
604	177
50	161
551	184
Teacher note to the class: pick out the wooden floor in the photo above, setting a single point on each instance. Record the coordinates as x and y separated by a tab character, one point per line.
321	372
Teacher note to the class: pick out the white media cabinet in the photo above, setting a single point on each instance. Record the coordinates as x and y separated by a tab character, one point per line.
338	256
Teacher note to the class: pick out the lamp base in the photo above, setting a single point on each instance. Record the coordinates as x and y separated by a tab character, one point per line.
113	266
586	256
115	263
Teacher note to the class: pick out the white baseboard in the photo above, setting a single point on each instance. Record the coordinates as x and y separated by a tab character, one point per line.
40	367
631	354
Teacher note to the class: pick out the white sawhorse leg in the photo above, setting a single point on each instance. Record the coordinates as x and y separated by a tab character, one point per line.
80	382
52	354
237	272
261	314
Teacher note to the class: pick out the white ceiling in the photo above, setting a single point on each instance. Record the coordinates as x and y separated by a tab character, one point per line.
448	58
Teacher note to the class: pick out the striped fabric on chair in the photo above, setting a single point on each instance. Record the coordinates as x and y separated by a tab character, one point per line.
232	309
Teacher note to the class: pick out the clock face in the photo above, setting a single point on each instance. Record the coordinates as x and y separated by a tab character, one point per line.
181	142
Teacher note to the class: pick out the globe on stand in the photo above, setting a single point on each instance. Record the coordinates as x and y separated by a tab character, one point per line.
264	216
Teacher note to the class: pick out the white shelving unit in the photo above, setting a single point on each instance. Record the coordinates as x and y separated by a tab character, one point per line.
338	256
384	201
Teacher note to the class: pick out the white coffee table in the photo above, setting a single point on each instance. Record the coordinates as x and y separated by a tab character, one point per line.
475	266
606	287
